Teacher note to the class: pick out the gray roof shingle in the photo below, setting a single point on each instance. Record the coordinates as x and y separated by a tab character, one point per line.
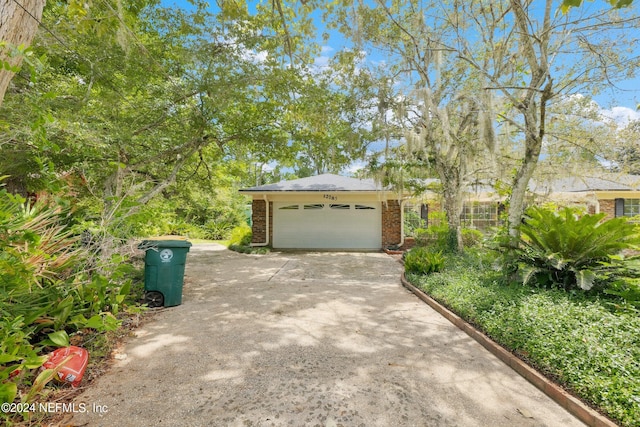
325	182
604	182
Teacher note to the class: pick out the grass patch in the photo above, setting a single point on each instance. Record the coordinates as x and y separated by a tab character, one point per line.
576	339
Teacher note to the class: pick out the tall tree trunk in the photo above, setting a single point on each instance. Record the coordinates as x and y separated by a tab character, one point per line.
18	25
520	184
535	128
451	180
535	49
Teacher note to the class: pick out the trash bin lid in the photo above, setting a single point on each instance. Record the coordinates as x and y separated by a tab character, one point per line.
165	242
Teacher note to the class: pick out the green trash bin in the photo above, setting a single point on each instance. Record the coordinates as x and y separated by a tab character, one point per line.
164	264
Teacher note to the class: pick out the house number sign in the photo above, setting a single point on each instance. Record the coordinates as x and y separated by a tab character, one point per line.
331	197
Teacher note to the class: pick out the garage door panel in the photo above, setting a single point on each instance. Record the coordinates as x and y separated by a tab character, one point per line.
327	226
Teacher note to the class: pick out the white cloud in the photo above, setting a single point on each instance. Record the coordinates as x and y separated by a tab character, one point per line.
621	115
326	49
269	167
354	167
322	62
259	57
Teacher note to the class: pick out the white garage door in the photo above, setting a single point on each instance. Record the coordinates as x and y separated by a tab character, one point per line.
327	225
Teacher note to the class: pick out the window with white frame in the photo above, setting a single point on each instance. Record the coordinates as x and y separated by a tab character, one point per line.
631	207
479	214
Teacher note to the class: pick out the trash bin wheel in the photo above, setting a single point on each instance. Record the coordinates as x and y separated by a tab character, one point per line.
154	299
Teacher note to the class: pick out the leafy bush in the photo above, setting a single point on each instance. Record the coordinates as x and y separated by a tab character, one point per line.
471	237
50	287
562	249
412	222
217	230
241	236
423	261
240	241
629	291
436	238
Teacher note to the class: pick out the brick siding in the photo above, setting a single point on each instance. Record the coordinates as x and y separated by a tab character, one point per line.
608	207
259	221
391	223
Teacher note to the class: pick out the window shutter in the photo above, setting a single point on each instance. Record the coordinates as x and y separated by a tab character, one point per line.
619	207
424	214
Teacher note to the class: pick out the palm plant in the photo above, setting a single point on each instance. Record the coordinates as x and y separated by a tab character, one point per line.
570	250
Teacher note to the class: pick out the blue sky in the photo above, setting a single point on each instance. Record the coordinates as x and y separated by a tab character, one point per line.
619	103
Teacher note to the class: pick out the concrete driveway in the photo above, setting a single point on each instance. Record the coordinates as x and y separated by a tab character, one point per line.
307	339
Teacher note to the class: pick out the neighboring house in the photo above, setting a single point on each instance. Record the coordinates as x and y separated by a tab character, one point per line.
326	212
615	195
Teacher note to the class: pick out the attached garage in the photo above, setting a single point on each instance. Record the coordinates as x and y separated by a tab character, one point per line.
325	212
327	225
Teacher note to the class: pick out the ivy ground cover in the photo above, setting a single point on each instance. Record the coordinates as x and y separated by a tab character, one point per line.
582	342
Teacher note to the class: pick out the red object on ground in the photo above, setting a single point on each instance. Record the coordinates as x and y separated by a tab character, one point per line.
73	370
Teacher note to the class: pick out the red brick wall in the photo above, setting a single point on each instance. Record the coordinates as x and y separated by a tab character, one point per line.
608	207
259	221
391	223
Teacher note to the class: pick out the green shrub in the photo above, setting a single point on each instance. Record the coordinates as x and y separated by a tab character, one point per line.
471	237
436	238
629	291
241	236
412	222
436	235
424	237
182	228
50	286
217	230
423	261
562	249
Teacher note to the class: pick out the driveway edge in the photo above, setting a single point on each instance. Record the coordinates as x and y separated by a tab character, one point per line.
572	404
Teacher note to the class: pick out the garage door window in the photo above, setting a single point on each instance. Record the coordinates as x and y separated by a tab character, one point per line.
289	208
314	206
340	206
364	207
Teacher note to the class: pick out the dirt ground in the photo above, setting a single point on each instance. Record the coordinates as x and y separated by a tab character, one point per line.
306	339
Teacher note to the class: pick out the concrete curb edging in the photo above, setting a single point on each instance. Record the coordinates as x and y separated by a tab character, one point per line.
569	402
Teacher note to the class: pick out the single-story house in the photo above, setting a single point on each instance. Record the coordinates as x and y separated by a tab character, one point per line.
326	212
336	212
